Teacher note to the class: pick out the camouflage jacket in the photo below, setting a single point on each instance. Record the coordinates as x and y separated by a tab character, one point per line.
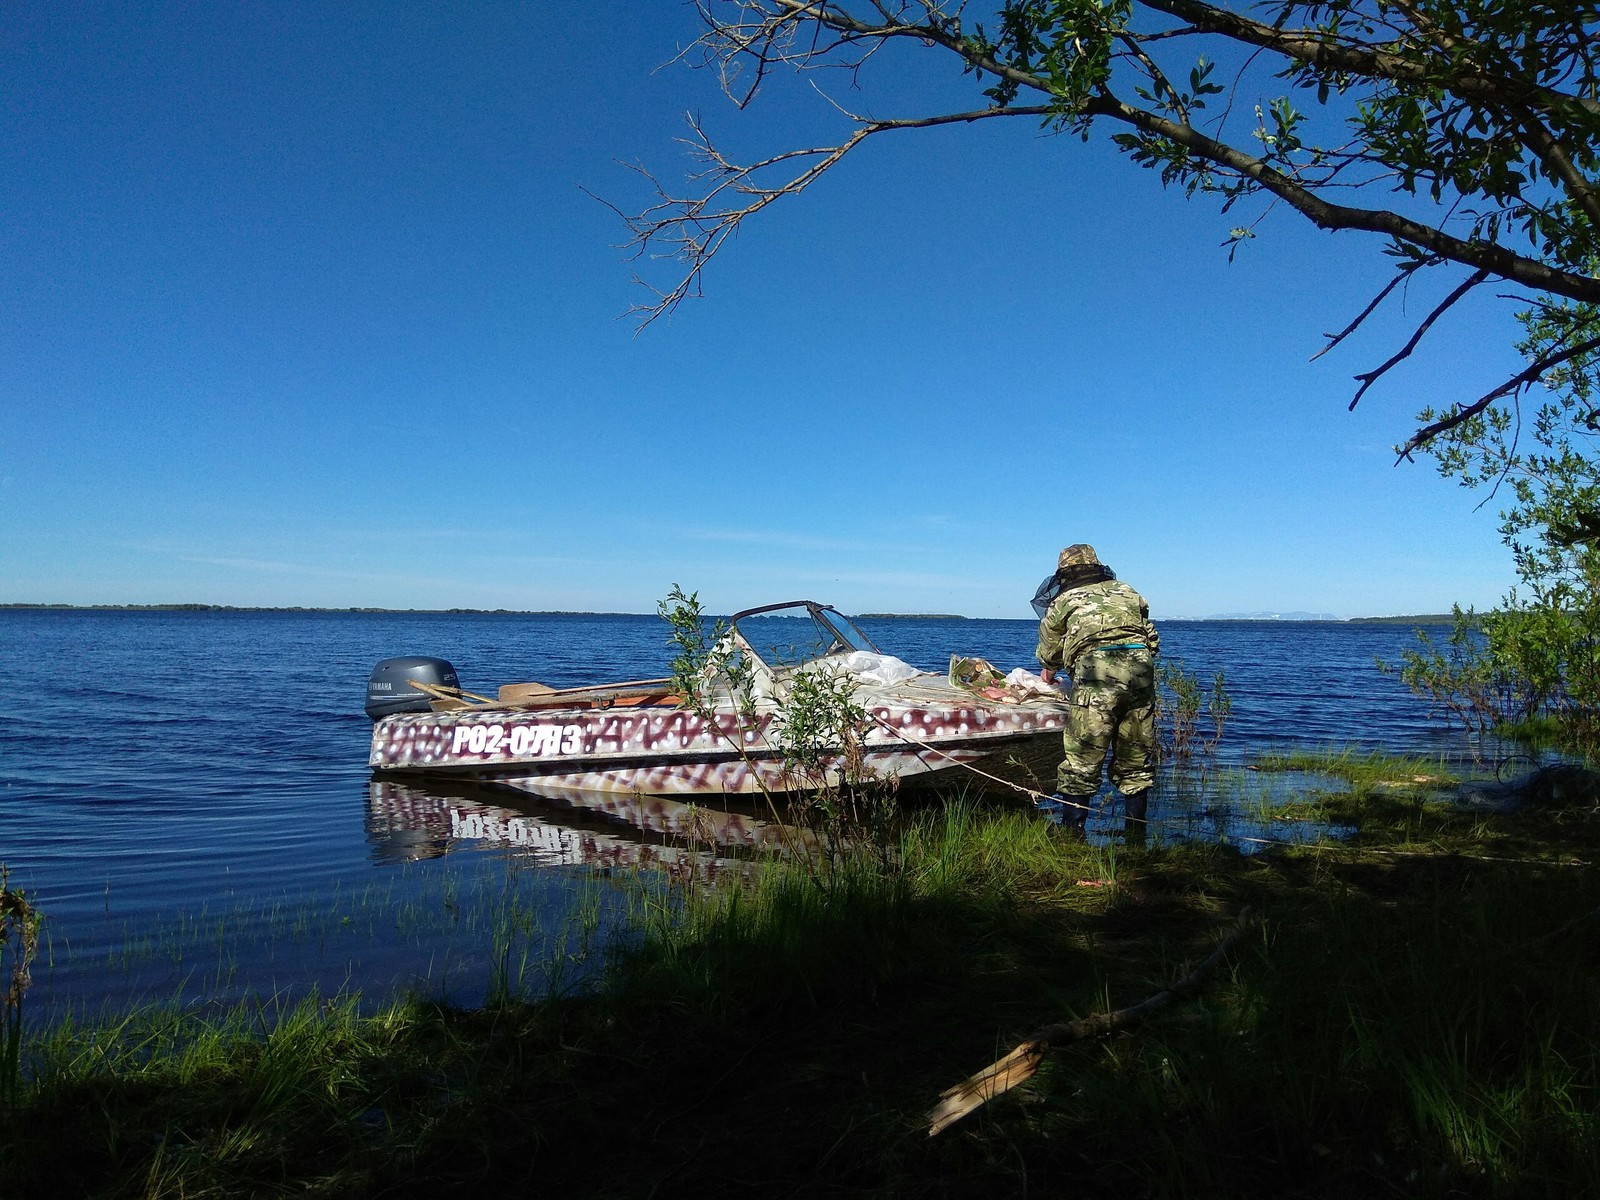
1097	614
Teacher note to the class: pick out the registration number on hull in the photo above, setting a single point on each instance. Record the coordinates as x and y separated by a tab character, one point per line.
520	740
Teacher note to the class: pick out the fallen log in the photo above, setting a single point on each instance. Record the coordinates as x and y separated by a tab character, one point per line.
1019	1066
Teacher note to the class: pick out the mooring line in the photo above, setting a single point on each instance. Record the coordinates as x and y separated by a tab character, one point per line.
1037	795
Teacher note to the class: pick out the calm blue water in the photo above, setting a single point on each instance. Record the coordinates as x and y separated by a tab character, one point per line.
185	794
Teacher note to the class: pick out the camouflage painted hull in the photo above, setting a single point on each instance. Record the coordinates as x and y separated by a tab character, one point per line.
923	732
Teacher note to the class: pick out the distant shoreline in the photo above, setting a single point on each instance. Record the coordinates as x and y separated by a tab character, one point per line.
1423	619
295	608
914	617
1416	619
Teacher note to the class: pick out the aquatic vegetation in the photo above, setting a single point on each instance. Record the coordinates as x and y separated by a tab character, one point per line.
832	801
19	942
1463	679
1538	652
1181	702
461	931
1365	770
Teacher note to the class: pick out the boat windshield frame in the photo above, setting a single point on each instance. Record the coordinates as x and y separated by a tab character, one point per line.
842	634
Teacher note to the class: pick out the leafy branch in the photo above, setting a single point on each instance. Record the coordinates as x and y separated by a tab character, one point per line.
1481	118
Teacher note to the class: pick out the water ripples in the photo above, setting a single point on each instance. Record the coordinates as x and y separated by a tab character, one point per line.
163	765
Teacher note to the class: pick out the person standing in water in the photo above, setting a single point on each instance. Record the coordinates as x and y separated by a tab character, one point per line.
1097	630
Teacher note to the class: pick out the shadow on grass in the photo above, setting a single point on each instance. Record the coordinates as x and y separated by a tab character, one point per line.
1412	1017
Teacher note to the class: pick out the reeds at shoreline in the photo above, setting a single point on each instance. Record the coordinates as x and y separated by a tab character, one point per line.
1418	1012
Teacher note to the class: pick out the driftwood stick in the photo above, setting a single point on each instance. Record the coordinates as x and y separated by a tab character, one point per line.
1019	1066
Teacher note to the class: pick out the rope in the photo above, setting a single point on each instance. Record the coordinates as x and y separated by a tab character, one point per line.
1037	795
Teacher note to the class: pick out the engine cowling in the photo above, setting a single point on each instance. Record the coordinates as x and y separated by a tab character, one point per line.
389	690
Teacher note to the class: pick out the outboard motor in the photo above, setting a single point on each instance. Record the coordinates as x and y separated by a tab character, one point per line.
389	693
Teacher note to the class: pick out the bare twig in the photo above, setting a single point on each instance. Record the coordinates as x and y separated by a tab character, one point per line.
1400	277
1368	378
693	228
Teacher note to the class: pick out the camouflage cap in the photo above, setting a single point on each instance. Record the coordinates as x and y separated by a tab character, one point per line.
1080	554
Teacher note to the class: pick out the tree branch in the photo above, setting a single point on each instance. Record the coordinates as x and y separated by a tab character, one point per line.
1500	99
1515	384
1543	143
1534	131
1484	255
1400	277
1316	49
1368	378
694	228
1470	252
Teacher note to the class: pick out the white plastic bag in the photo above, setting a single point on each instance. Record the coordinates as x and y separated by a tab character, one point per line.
879	668
1028	683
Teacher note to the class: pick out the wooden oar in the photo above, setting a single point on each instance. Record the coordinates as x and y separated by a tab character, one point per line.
438	691
513	693
539	695
596	698
598	687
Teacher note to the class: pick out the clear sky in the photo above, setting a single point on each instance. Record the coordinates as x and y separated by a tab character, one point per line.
306	305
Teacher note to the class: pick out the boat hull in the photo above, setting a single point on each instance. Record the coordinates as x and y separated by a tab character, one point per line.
672	751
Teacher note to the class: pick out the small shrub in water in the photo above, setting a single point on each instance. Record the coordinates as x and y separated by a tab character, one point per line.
19	941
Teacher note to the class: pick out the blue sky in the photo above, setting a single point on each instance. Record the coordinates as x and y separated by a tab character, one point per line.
306	305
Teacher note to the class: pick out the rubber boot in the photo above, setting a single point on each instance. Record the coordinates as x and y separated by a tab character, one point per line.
1071	812
1135	805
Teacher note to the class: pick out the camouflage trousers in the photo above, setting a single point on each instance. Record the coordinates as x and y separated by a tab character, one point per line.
1113	705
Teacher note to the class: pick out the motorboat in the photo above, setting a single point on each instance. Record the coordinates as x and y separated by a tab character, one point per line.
645	738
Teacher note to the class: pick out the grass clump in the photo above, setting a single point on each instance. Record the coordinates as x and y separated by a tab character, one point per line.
19	943
312	1097
1365	770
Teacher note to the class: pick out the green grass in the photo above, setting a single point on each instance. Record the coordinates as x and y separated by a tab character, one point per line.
1366	770
1417	1013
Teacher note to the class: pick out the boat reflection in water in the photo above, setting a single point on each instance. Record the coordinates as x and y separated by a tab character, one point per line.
413	820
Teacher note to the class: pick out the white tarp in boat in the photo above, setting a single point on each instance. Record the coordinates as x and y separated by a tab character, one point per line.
1029	684
879	668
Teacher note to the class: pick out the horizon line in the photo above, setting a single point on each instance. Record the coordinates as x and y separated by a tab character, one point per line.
195	606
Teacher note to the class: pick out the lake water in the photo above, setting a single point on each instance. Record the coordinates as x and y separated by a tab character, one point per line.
185	795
